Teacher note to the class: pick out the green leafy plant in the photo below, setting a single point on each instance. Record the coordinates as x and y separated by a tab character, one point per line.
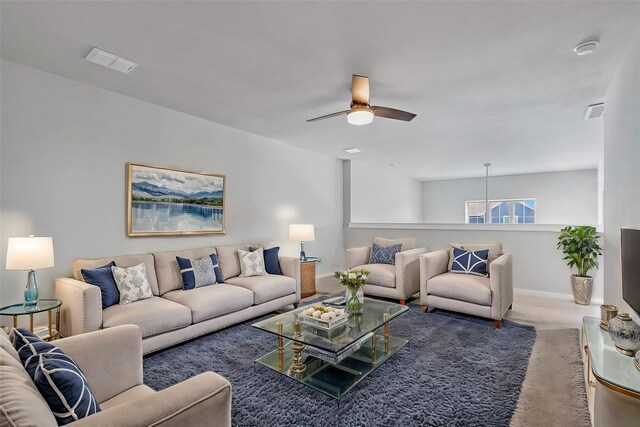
580	247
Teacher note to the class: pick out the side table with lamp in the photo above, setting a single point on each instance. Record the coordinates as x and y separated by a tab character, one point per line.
30	254
305	233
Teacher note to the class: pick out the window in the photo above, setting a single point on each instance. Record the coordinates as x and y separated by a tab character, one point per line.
516	211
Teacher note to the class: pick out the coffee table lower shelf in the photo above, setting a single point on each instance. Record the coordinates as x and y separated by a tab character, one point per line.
334	380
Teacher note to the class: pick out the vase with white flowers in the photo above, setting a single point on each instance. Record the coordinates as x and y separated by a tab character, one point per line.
354	281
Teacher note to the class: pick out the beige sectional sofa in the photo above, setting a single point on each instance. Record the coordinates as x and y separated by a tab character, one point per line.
174	315
111	360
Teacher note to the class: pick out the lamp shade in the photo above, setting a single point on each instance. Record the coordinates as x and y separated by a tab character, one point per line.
29	253
302	232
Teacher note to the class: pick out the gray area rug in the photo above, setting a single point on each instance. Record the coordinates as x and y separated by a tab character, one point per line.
553	393
457	371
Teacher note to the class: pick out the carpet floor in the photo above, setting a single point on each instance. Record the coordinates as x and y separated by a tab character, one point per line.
553	393
456	371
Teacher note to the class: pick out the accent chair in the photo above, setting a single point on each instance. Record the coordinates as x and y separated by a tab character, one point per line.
399	281
488	297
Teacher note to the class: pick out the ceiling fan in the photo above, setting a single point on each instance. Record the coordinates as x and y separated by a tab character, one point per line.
361	113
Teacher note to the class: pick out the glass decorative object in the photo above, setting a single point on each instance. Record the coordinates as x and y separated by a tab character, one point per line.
354	281
354	296
625	333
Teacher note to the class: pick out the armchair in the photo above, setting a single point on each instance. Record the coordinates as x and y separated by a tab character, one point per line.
111	360
399	281
488	297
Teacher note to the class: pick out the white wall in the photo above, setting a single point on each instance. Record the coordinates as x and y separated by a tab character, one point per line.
63	155
537	264
381	195
561	197
621	166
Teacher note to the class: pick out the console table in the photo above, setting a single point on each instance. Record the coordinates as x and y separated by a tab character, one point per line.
308	277
614	376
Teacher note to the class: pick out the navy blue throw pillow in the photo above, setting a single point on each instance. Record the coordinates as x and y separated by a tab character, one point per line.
470	262
384	254
199	272
21	336
64	387
102	277
271	261
30	355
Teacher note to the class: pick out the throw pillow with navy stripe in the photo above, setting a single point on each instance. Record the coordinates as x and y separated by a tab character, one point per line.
199	272
21	336
64	387
470	262
384	254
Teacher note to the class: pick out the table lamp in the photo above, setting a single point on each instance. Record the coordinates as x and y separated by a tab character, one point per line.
30	253
304	233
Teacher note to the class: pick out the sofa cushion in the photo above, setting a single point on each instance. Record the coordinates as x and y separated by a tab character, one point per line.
121	261
199	272
64	388
6	345
30	355
20	400
132	283
380	274
252	263
102	277
384	254
228	259
407	244
153	316
470	262
212	301
168	271
495	250
266	288
461	287
21	336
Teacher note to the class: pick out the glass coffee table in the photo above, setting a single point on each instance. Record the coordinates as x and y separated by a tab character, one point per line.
332	361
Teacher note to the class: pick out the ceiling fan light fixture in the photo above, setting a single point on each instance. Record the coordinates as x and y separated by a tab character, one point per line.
360	116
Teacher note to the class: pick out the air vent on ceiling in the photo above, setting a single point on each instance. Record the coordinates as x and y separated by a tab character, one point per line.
594	111
109	60
352	150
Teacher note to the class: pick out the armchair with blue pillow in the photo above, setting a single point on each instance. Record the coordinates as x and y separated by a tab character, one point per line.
96	379
475	279
394	269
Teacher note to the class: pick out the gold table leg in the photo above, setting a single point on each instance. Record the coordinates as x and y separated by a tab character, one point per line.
57	322
374	339
50	326
15	322
298	367
386	333
280	348
31	322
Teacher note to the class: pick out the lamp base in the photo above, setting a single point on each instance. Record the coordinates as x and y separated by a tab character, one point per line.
31	291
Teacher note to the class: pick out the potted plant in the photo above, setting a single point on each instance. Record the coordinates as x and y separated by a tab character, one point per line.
581	248
354	281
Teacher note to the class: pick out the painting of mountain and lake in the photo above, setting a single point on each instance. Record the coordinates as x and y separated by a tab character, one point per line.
173	202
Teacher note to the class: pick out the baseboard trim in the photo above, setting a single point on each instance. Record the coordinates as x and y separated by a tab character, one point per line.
554	295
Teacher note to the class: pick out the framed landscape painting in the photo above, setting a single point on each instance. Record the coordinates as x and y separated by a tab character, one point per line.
172	202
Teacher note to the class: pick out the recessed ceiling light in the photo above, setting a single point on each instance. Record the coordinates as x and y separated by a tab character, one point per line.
352	150
586	48
109	60
391	165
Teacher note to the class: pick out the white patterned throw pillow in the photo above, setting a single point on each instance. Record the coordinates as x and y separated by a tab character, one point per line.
252	263
132	283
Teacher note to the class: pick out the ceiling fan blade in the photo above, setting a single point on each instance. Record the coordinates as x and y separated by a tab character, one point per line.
328	116
360	89
392	113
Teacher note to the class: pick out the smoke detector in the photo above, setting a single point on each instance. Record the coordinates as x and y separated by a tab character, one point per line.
586	48
109	60
594	111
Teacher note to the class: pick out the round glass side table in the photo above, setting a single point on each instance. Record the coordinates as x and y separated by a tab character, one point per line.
42	305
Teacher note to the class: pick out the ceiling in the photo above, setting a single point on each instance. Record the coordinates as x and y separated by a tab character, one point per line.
490	81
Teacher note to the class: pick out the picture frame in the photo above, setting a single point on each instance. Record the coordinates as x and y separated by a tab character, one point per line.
174	202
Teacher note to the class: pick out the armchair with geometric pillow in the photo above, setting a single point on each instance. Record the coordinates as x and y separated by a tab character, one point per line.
394	269
475	279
